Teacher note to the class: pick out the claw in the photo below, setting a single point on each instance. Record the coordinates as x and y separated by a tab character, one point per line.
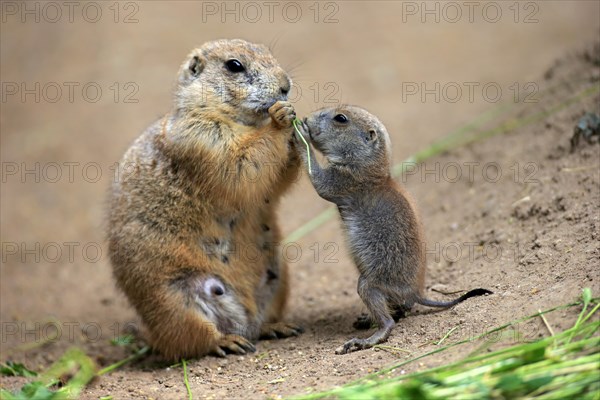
280	330
234	348
282	113
247	346
270	335
219	352
353	345
233	344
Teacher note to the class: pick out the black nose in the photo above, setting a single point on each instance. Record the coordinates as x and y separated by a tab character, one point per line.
285	85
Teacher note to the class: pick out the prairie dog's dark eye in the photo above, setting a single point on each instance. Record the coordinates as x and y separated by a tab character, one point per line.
214	287
217	290
234	65
341	118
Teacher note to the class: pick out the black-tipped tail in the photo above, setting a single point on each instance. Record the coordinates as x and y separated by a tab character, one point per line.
446	304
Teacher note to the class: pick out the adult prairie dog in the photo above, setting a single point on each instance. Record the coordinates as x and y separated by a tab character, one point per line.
191	225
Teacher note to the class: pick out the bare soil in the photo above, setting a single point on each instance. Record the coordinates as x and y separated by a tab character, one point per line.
522	219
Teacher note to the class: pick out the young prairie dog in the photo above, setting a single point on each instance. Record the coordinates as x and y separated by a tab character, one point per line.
192	221
382	228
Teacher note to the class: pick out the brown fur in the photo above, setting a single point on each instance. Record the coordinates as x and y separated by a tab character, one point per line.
197	204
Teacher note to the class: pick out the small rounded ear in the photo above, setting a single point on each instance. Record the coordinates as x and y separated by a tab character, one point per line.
372	135
192	68
195	66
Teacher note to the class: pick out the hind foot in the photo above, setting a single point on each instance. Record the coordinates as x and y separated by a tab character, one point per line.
354	345
279	330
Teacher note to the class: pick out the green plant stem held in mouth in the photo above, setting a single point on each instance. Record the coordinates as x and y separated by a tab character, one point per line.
295	122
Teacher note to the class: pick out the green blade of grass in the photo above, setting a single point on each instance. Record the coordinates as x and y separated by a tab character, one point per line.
185	380
120	363
446	336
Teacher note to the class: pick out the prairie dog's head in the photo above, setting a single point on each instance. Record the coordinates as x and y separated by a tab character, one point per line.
351	136
232	77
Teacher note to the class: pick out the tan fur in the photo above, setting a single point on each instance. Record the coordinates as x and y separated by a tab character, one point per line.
201	187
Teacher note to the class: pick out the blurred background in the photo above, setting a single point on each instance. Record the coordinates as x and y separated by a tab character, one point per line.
81	81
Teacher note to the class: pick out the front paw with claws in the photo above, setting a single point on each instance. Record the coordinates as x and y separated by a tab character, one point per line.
233	344
301	129
282	113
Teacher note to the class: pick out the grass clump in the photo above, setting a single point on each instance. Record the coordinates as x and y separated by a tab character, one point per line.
561	366
65	379
16	369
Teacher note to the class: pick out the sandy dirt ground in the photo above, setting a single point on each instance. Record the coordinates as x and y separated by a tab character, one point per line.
522	219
